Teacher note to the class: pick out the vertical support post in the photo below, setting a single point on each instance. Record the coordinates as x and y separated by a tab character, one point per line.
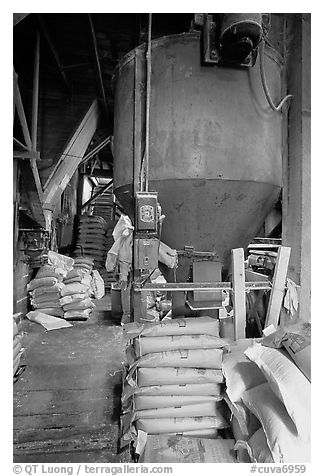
238	285
35	95
296	231
137	121
136	301
278	286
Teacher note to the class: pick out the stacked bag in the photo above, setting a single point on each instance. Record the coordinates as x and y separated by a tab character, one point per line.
17	347
45	290
270	402
173	384
92	239
75	295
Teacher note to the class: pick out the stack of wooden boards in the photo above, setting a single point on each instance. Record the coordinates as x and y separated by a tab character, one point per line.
174	381
270	402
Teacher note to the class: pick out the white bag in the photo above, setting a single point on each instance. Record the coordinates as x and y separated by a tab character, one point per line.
287	382
172	327
202	389
146	345
175	425
97	285
257	448
74	288
191	410
172	375
196	358
282	438
145	402
240	373
178	449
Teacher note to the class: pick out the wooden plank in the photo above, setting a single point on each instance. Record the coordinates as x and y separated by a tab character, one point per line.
35	95
22	118
26	154
72	141
32	186
254	276
71	158
238	285
278	286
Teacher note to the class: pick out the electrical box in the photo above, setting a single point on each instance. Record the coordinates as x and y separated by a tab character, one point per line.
146	253
146	212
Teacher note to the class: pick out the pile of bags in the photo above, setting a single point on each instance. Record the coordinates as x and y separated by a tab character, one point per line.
63	287
92	239
184	449
45	289
270	402
76	301
174	380
17	347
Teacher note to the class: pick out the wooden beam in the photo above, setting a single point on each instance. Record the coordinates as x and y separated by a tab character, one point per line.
238	285
96	195
96	149
254	276
32	186
98	67
22	118
26	154
71	157
278	286
73	139
35	95
17	142
54	52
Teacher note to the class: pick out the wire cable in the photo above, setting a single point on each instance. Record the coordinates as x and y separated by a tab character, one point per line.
265	87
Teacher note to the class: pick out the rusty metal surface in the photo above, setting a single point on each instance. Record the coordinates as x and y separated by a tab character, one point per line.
67	402
215	145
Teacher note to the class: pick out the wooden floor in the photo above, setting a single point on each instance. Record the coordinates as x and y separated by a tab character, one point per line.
67	401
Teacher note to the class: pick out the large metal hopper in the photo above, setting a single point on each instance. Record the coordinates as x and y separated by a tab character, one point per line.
215	145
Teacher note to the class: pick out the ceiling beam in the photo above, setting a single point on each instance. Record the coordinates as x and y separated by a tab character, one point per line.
54	52
22	117
98	67
35	95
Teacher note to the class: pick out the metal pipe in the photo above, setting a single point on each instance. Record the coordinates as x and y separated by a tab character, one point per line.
217	286
35	95
95	150
148	98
